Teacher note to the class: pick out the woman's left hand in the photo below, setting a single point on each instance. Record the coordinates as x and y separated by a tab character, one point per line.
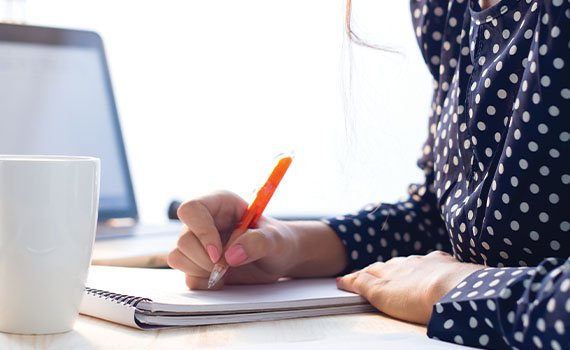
408	287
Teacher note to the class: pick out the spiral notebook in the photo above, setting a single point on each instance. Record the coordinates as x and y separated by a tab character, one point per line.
159	298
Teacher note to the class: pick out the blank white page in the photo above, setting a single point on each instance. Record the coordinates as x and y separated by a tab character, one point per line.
169	293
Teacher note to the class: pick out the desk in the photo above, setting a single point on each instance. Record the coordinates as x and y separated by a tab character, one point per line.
92	333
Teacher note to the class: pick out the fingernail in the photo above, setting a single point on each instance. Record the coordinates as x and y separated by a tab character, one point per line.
213	253
236	255
338	279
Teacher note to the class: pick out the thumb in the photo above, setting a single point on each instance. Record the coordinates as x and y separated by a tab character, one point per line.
252	245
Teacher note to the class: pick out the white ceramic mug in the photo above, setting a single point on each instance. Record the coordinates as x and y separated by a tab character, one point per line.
48	217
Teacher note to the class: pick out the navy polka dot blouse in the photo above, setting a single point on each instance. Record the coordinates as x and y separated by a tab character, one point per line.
497	173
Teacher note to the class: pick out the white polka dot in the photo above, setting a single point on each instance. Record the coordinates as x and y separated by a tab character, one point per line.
533	67
537	341
558	63
534	235
553	111
354	255
514	182
477	284
555	245
540	324
534	188
502	94
551	305
514	78
544	170
473	305
564	136
533	146
484	340
565	226
553	198
458	339
526	116
357	237
517	134
506	34
515	225
505	293
513	50
438	308
448	324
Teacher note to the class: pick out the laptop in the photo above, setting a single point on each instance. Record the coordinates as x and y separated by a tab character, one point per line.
56	98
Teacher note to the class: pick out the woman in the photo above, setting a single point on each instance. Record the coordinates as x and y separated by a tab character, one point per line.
495	197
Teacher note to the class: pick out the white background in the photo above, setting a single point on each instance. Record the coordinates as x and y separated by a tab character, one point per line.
209	91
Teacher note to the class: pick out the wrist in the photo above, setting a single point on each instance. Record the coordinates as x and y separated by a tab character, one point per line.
318	250
448	279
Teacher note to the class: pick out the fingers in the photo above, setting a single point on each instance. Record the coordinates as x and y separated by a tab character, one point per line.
362	283
189	245
200	222
252	245
178	260
196	277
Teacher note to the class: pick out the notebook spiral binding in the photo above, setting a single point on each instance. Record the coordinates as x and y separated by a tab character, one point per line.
127	300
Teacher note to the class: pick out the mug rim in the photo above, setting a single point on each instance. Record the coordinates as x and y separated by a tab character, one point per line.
46	158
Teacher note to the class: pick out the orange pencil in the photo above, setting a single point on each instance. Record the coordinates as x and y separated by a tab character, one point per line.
253	213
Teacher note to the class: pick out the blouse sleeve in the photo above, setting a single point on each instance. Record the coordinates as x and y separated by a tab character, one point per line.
430	19
508	308
381	231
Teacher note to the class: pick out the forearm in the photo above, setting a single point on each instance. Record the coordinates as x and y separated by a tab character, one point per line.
319	250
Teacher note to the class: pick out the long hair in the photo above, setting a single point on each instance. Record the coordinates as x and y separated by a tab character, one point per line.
354	38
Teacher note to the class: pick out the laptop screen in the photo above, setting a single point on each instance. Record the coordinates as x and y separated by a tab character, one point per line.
56	98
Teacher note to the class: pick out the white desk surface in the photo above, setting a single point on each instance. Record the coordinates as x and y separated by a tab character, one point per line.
92	333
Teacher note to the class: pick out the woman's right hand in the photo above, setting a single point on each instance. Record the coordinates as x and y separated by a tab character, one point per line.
259	255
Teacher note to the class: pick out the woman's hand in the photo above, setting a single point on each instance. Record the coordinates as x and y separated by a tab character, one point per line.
259	255
407	288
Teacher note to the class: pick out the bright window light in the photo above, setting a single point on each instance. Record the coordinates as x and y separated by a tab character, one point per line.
210	91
